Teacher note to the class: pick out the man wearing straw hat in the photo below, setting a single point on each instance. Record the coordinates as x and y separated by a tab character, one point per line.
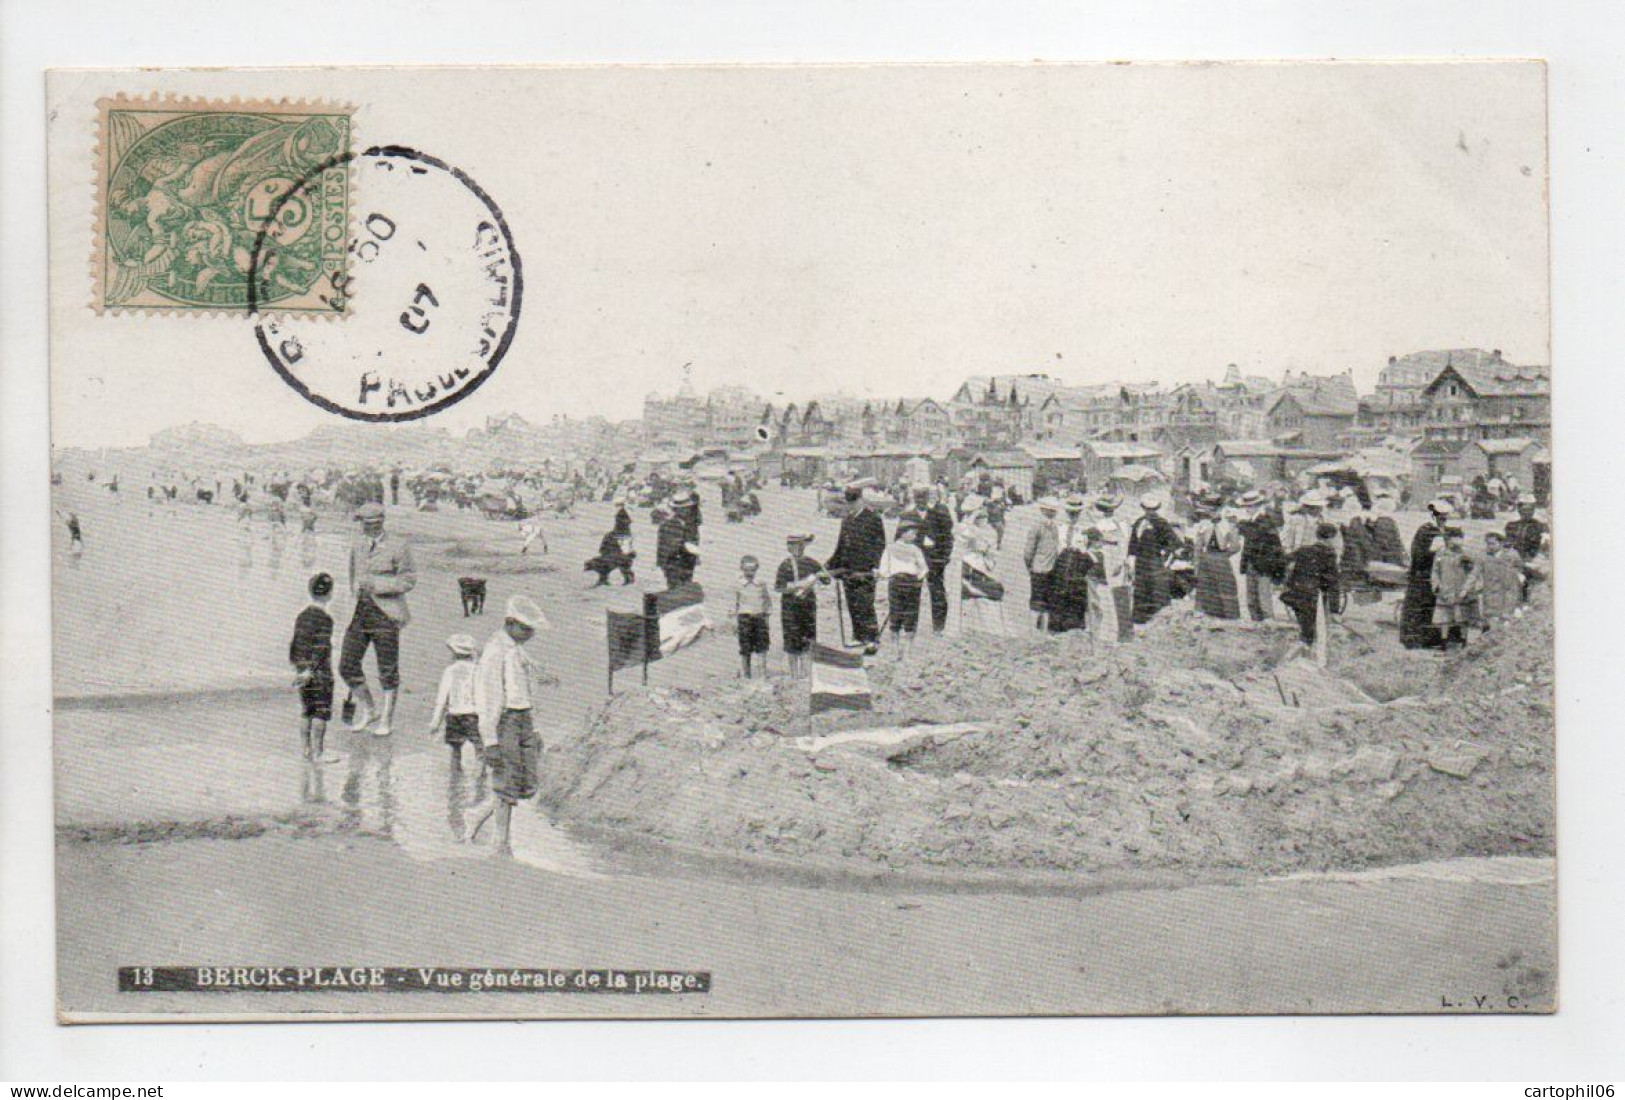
1151	542
936	522
1303	522
858	550
503	697
1068	588
1312	590
381	574
1531	539
1263	559
1039	552
677	550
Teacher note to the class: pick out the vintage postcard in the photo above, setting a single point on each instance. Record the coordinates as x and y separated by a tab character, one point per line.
802	541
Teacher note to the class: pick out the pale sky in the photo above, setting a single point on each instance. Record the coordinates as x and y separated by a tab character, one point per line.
890	230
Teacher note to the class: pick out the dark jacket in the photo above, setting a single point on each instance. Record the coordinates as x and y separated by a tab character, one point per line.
861	544
1151	539
312	646
1359	548
1423	552
1387	546
1261	551
936	531
1524	536
670	549
1313	570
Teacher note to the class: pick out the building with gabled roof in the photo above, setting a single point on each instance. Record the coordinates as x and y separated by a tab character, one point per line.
1076	412
1489	399
1311	411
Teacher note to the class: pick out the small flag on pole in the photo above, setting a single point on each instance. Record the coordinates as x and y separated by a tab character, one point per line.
677	617
839	681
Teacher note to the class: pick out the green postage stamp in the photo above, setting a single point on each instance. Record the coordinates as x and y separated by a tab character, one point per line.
196	197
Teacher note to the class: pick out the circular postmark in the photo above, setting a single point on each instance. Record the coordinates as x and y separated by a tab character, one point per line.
426	305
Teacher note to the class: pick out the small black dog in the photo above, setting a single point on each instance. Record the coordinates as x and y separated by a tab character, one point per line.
473	590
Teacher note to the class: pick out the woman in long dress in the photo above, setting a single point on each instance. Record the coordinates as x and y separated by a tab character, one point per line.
1216	540
981	607
1111	598
1416	626
1069	578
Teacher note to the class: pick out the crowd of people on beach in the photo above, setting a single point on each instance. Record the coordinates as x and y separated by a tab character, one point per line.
1093	563
1247	554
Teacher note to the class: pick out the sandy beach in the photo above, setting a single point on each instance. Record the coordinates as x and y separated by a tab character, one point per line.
190	832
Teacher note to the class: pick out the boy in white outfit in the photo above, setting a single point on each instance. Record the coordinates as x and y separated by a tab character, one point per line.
454	708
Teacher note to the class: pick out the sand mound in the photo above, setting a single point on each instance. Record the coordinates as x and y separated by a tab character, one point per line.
1197	747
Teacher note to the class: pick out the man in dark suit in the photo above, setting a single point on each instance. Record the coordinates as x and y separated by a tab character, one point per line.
1151	542
1312	573
936	523
677	550
858	550
1528	536
1263	559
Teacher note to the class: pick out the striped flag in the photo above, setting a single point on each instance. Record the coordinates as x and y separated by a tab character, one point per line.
677	617
839	681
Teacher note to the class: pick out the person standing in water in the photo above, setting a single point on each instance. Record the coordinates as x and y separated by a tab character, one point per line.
76	534
381	574
311	654
454	711
504	698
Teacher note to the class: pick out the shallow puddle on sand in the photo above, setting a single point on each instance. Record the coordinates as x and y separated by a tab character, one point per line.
436	806
413	798
250	780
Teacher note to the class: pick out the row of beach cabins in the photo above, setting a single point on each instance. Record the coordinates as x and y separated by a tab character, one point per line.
1423	467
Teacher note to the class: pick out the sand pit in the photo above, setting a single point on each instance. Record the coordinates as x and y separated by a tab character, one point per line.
1201	747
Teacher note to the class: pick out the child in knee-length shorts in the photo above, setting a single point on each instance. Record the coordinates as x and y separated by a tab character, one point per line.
454	709
503	698
904	568
752	605
311	654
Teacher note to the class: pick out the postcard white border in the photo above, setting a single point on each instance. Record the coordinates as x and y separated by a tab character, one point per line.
1587	140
